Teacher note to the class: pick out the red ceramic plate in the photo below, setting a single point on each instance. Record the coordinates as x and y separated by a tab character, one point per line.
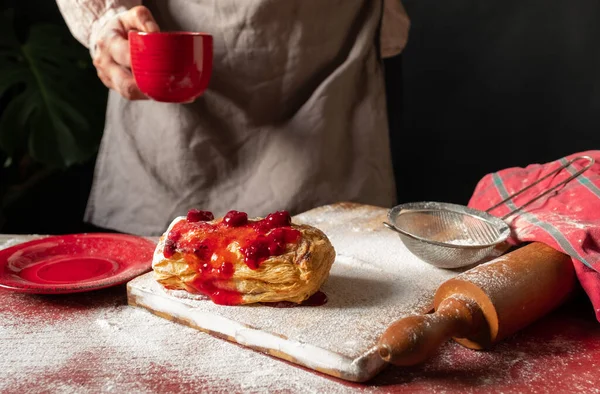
74	263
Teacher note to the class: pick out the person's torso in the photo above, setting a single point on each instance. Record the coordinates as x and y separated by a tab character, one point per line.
294	117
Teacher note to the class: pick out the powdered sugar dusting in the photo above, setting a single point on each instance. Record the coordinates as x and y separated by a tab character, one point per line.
524	229
6	241
552	356
493	280
463	242
374	281
76	344
94	343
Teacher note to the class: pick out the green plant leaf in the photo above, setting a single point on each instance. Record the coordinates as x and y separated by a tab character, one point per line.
55	103
15	117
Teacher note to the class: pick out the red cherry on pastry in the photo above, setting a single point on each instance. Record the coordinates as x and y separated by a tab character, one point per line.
275	248
279	219
235	218
169	249
202	252
195	215
255	252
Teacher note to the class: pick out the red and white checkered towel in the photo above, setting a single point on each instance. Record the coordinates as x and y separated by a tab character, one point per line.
567	220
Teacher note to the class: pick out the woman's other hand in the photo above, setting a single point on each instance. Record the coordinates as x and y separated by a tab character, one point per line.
111	51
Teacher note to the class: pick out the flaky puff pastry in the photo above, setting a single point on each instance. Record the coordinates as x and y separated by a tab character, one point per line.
292	276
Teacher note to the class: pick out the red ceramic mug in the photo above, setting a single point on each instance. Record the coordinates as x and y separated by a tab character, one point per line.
172	67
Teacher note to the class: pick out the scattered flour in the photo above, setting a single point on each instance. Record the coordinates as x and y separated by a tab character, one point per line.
6	241
463	242
374	281
95	343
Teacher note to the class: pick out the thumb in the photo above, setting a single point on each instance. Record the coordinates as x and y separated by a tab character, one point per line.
139	18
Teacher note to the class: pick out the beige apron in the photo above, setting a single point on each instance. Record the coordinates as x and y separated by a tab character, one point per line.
294	118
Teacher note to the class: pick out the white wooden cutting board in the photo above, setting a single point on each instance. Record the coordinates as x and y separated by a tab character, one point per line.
374	281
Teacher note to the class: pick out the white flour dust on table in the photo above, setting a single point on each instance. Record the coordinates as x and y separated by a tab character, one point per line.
75	344
95	343
374	281
73	340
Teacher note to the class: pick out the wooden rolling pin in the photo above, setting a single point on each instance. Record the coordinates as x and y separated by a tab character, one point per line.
484	304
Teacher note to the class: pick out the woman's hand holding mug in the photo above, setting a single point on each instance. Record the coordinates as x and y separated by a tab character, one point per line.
111	52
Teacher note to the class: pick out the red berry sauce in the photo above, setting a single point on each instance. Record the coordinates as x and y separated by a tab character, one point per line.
195	215
204	245
235	219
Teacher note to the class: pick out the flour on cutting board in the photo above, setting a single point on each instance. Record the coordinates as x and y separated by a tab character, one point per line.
94	343
374	281
114	348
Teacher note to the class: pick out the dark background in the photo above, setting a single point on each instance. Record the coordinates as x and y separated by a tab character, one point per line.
481	86
489	85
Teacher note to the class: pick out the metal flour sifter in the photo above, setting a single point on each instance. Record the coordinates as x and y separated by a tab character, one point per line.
453	236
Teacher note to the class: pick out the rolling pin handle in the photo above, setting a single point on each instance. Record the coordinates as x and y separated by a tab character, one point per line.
413	339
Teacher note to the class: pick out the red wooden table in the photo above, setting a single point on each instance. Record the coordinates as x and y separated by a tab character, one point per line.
94	342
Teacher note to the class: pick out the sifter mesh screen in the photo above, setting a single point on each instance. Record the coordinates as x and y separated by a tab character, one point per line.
445	226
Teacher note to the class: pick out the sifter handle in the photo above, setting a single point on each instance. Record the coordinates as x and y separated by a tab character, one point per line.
569	179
